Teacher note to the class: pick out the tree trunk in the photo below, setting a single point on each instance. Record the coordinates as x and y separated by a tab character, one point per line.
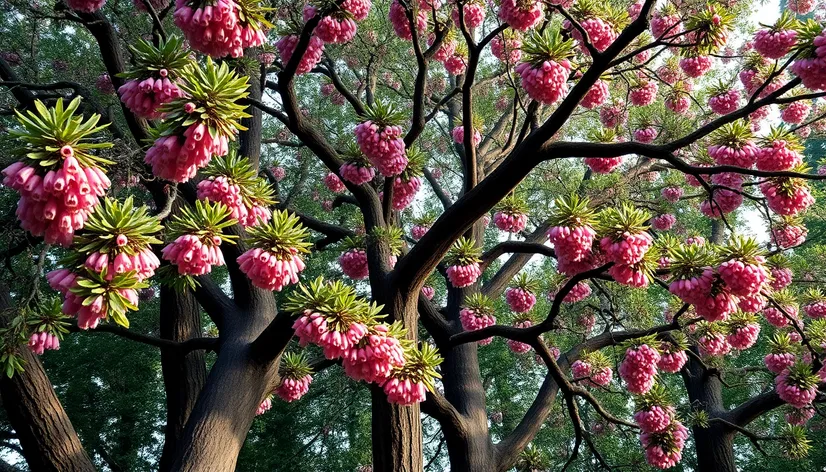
715	444
397	436
470	450
223	414
183	375
48	438
715	449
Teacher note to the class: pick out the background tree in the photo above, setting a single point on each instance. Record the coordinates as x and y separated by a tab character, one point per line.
357	154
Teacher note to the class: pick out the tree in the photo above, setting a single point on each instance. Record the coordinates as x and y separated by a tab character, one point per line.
593	147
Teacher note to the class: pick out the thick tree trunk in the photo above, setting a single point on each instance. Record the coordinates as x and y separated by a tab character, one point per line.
715	449
183	374
48	438
397	430
223	414
397	436
470	450
235	387
715	444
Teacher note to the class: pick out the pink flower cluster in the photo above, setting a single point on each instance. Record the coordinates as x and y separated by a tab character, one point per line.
663	222
781	277
519	347
603	165
192	256
639	368
725	103
269	271
333	183
672	194
786	202
463	275
796	112
774	44
600	33
778	362
40	342
812	70
795	395
507	50
418	231
292	389
220	189
404	391
143	263
521	16
374	357
473	14
216	29
356	174
744	337
664	450
144	97
597	95
778	156
743	278
644	94
672	362
88	315
519	299
354	264
287	44
713	344
654	419
404	191
695	66
401	26
645	135
473	321
383	146
510	222
600	377
547	82
332	29
628	249
56	204
178	157
459	135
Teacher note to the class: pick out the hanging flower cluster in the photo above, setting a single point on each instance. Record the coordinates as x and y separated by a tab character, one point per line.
521	296
221	28
58	177
153	78
477	313
231	180
347	327
197	234
200	124
463	261
296	377
380	139
275	259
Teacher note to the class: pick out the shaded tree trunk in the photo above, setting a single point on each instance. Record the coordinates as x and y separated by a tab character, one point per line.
237	384
397	436
715	449
48	438
183	374
471	449
715	444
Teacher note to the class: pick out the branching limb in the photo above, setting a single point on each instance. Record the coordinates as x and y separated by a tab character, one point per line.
209	344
